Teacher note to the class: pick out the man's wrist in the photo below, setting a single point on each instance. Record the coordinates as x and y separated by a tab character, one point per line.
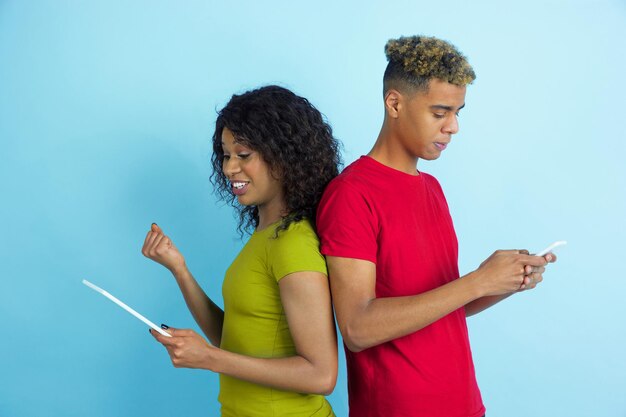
475	282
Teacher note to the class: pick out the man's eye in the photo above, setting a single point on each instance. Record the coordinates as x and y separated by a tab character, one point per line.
439	115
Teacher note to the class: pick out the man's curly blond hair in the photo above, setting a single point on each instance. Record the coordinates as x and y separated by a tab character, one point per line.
415	60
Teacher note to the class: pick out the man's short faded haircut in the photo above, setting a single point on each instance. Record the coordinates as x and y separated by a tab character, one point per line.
415	60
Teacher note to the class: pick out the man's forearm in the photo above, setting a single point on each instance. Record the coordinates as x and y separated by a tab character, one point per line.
385	319
483	303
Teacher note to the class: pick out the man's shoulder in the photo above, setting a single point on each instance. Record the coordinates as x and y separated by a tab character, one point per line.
357	176
431	181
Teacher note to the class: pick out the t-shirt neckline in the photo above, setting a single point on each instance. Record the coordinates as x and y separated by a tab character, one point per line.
392	171
268	227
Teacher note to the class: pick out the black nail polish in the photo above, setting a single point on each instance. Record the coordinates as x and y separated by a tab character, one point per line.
164	326
150	330
155	224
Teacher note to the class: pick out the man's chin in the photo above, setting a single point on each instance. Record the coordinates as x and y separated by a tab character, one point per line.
430	157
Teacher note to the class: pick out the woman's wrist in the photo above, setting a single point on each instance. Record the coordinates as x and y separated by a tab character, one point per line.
215	361
179	271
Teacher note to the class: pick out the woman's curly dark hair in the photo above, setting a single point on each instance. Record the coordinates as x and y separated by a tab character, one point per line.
292	137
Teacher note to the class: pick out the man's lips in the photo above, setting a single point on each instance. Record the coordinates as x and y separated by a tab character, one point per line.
441	145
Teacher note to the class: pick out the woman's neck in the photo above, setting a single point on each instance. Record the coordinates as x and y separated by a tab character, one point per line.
270	214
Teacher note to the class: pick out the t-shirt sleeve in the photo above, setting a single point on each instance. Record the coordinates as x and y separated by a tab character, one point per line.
346	223
296	250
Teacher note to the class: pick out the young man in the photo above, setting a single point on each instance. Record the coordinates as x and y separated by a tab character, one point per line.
391	249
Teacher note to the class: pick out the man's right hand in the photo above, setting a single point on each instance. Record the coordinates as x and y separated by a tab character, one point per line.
161	249
509	271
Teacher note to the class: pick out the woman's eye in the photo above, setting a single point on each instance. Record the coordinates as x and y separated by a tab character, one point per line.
243	155
226	157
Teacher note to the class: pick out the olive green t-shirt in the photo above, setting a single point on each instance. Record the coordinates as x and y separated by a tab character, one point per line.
255	323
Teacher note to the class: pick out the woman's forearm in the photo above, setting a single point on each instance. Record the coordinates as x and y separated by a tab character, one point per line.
208	315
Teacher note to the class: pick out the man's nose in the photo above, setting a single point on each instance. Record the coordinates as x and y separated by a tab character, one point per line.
452	126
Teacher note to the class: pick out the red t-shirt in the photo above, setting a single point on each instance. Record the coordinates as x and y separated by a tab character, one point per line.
402	223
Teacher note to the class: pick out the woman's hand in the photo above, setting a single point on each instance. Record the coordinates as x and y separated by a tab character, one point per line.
161	249
187	349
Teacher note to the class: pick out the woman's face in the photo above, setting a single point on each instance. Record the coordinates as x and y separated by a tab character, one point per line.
250	177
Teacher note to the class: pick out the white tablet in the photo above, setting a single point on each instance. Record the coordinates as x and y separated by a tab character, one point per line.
125	307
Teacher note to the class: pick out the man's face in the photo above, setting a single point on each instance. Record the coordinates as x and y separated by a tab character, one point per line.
428	119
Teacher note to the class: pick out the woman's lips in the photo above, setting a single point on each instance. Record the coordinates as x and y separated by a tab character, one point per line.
238	187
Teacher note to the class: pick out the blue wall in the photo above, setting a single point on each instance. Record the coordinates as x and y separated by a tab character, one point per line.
106	110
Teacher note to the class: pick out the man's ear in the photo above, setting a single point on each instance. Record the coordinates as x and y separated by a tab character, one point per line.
393	102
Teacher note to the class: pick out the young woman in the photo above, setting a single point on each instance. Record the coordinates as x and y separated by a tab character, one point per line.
274	343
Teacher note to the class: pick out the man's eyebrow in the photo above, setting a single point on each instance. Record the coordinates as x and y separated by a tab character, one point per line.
446	108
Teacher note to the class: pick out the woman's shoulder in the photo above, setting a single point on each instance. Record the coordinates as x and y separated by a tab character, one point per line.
296	249
301	230
298	238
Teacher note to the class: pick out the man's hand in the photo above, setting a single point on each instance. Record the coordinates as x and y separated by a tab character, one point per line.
509	271
534	275
530	275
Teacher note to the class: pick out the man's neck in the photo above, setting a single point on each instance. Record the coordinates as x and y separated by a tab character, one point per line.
387	151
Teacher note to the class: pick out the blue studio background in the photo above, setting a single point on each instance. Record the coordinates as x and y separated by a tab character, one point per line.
106	112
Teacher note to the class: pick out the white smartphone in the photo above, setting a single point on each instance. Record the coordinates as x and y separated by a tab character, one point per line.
551	248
